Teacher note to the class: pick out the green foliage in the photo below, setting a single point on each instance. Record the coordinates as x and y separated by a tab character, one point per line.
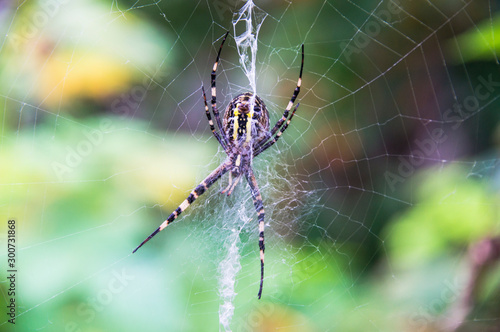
479	43
451	210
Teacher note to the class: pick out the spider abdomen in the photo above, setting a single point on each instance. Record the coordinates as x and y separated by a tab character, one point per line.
244	124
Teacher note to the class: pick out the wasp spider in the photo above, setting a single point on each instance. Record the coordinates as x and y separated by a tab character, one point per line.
243	134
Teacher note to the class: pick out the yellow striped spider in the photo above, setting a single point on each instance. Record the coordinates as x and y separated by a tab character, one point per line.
243	134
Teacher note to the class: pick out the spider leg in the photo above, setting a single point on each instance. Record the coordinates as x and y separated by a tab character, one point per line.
232	184
290	103
214	93
211	123
259	207
198	191
264	147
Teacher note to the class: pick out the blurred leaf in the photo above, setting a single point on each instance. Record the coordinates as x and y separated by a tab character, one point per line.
451	210
95	166
481	42
62	61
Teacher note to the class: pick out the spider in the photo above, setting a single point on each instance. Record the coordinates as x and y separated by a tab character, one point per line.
243	134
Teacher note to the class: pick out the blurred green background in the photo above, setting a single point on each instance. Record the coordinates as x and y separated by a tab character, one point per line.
386	178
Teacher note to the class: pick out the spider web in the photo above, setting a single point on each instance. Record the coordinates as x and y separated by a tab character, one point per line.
385	176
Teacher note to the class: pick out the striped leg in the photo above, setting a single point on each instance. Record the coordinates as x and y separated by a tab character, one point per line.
214	93
258	150
211	123
259	207
292	100
198	191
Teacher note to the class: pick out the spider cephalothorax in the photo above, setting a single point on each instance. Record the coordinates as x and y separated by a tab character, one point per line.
243	135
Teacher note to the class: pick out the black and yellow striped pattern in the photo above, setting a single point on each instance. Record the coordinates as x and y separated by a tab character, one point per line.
241	121
278	135
263	145
221	141
197	192
214	91
259	207
246	117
